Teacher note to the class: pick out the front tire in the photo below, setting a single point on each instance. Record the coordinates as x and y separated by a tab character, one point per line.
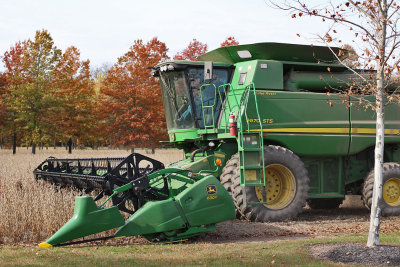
390	204
286	187
229	173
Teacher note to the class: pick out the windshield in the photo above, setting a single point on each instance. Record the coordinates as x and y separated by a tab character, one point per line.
177	104
187	101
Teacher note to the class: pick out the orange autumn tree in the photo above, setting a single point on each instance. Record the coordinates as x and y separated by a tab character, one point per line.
3	109
229	41
49	94
13	76
29	70
192	51
133	113
74	88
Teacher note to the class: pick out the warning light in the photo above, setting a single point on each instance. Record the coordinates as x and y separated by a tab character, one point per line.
218	162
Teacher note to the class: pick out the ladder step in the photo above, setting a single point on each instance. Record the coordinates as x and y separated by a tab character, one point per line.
250	149
251	167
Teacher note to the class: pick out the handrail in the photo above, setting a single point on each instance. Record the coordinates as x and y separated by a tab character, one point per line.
209	107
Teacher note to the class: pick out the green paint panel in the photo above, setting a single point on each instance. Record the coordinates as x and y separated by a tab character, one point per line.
182	135
302	122
153	217
244	74
206	202
363	125
272	51
269	74
325	176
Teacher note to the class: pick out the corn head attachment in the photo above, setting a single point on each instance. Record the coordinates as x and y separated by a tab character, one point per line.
165	204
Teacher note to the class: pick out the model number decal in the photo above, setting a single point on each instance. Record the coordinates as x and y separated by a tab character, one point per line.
264	121
266	93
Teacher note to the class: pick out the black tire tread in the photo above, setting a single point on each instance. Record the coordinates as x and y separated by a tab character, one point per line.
389	169
230	170
261	213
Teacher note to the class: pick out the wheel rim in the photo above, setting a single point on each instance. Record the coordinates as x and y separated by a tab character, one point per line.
391	191
280	187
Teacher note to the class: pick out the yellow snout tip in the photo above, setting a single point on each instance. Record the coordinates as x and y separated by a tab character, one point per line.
45	245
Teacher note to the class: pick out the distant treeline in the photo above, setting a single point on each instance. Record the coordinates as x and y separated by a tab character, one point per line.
50	97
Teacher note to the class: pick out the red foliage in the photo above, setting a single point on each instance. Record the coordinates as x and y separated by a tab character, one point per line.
132	110
74	89
3	110
192	51
14	62
229	41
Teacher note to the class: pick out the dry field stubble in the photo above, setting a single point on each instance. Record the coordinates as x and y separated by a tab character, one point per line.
31	211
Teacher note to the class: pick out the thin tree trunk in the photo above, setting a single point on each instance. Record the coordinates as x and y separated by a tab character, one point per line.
33	148
373	236
374	227
14	143
70	146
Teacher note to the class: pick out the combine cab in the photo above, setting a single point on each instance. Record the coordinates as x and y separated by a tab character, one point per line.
264	127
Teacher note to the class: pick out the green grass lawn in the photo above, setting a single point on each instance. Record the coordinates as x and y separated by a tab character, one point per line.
290	252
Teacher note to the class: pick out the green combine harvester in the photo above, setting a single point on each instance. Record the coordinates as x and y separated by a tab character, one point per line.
265	129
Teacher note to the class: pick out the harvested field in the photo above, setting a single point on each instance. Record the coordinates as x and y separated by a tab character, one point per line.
31	211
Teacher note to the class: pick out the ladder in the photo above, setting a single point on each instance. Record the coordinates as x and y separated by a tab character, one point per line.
251	146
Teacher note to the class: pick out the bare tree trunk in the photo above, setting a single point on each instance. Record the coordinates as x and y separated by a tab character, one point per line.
373	236
375	223
15	142
33	148
70	146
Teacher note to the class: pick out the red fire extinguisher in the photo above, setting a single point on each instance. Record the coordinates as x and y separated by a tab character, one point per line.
232	124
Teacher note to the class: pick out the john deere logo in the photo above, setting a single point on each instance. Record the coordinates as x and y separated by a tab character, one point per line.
211	189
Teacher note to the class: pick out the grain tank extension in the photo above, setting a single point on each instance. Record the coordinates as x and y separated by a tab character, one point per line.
261	134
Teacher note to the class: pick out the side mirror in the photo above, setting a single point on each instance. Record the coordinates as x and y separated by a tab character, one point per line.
208	68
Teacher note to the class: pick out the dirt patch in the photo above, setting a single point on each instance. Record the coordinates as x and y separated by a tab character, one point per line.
357	254
352	217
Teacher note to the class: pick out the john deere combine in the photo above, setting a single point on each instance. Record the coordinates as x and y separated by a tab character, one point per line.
264	127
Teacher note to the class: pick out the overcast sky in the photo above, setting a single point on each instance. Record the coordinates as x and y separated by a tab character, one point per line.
104	30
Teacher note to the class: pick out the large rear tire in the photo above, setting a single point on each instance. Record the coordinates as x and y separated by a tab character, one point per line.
231	171
390	204
286	187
